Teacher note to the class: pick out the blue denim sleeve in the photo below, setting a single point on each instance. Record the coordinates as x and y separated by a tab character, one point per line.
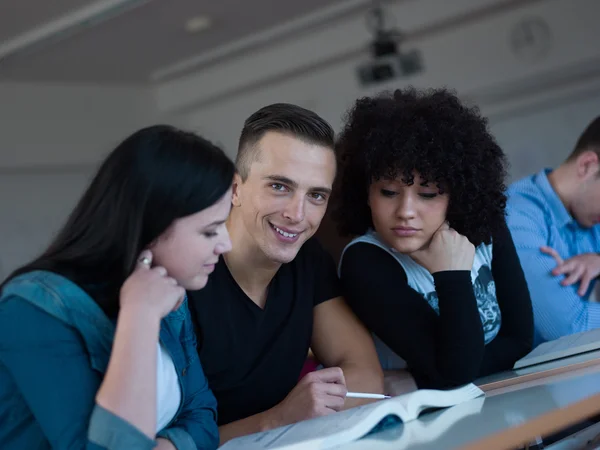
196	426
49	366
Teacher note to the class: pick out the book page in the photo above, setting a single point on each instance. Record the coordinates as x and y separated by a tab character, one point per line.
564	346
426	398
346	426
426	429
320	428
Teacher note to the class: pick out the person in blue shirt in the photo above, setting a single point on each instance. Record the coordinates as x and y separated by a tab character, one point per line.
554	218
97	349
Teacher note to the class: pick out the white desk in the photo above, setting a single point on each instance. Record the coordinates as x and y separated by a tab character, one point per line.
497	414
544	373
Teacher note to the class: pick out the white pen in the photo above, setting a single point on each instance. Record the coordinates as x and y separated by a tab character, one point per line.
366	395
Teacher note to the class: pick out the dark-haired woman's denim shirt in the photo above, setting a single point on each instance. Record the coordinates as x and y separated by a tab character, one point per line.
55	343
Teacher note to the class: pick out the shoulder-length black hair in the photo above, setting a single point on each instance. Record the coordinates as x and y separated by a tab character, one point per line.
156	175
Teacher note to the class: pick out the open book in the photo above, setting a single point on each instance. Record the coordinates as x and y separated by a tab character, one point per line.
572	344
346	426
428	428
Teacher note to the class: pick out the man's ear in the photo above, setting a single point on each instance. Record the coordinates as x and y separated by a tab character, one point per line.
236	189
587	164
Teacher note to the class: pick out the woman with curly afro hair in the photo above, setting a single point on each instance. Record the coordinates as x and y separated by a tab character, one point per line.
432	270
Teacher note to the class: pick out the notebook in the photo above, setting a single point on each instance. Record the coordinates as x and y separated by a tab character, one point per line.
346	426
572	344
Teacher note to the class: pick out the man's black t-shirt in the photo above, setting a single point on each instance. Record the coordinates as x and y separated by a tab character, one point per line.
253	357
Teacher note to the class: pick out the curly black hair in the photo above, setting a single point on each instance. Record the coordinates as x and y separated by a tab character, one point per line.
427	132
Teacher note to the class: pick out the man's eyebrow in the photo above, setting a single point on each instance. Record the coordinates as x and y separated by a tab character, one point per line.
289	182
281	179
322	190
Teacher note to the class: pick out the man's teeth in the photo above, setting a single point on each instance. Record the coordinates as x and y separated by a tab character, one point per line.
283	233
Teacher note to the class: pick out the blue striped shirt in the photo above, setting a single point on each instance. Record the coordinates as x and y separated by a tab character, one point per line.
537	217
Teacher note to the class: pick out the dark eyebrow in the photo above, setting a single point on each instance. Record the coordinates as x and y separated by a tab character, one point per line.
321	190
281	179
291	183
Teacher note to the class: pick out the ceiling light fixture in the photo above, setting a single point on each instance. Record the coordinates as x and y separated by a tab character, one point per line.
197	24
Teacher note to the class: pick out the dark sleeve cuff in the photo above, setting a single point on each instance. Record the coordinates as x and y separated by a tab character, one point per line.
455	294
452	278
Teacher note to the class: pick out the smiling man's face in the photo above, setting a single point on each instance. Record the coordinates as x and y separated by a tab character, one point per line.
285	196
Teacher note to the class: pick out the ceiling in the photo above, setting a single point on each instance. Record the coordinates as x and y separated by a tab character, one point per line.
131	46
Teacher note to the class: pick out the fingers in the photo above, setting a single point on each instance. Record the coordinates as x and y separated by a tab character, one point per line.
327	395
180	291
550	251
324	411
574	276
444	226
335	390
565	268
328	375
160	270
145	260
334	402
145	263
585	284
333	395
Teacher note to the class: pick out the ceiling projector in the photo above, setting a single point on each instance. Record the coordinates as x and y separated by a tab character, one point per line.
387	61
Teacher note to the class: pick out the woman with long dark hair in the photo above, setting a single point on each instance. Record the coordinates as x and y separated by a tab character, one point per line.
97	348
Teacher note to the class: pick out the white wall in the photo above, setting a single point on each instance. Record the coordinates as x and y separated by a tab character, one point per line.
544	134
34	206
51	138
66	125
475	59
291	56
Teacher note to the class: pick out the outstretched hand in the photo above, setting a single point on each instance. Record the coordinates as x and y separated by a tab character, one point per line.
580	269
